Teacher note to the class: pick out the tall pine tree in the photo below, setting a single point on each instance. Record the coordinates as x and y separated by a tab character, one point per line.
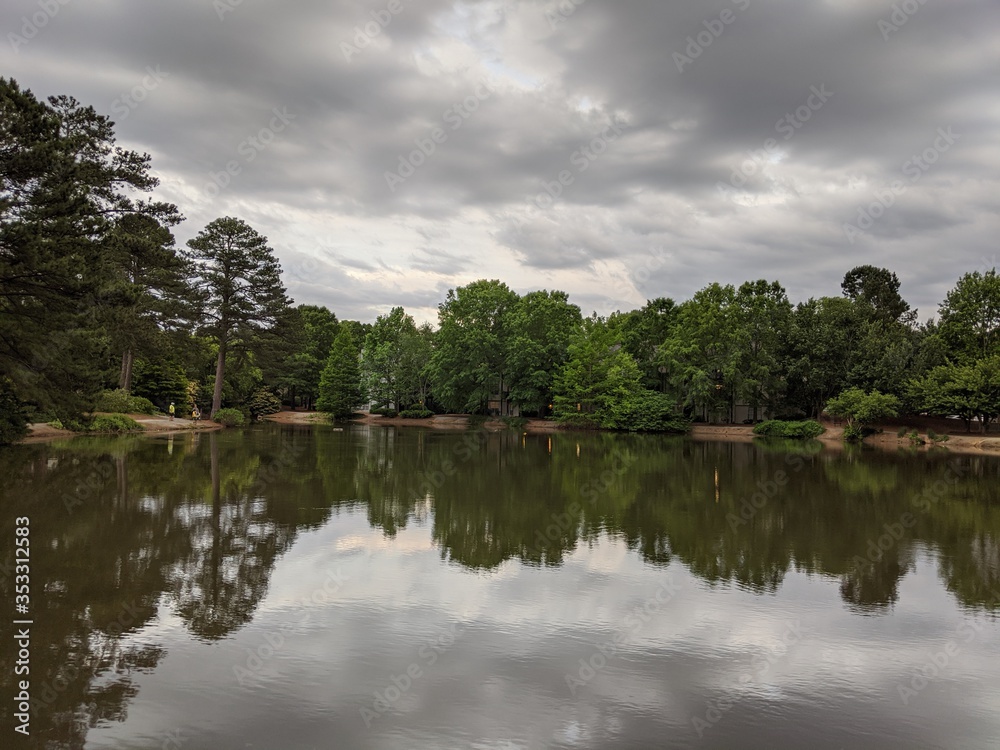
241	282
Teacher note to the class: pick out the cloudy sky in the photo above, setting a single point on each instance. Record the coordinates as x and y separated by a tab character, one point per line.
393	149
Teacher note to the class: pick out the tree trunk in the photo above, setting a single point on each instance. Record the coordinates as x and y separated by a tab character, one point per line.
220	371
125	374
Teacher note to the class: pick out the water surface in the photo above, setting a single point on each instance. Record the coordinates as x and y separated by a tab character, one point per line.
303	587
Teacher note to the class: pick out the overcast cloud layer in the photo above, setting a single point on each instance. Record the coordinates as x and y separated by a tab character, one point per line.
725	141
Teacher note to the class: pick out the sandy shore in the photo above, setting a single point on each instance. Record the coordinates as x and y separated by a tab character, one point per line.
958	441
41	432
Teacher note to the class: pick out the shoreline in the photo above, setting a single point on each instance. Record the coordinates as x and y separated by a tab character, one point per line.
40	432
958	443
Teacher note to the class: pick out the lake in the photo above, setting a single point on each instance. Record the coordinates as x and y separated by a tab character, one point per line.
305	587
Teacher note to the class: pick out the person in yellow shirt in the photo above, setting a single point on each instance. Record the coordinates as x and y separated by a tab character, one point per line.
171	410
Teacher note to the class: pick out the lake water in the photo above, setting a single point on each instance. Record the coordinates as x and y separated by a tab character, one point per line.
304	587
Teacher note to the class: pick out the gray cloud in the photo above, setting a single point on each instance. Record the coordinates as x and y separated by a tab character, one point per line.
479	201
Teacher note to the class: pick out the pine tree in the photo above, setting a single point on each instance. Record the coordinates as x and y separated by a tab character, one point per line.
340	383
63	185
241	282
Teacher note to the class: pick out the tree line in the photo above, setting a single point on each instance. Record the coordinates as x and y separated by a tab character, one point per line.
99	306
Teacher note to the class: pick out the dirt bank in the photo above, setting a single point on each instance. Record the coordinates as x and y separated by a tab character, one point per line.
888	439
41	432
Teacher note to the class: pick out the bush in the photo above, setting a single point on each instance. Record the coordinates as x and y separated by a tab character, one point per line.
122	402
902	432
385	412
853	434
649	411
229	417
114	423
802	430
263	402
416	414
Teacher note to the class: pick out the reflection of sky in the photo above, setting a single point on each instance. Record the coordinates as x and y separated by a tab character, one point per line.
522	630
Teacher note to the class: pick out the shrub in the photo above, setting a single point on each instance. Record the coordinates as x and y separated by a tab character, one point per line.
122	402
229	417
384	412
802	430
649	411
114	423
915	438
416	413
902	432
263	402
853	434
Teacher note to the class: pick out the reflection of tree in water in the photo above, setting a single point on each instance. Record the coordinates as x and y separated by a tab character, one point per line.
535	497
219	580
199	518
95	576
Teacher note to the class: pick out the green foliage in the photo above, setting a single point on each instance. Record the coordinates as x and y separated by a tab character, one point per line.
416	413
541	326
915	438
970	317
239	279
263	402
13	415
471	360
340	383
390	413
876	293
394	360
649	411
853	433
901	432
121	402
971	391
113	423
801	430
229	417
594	386
860	408
63	186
